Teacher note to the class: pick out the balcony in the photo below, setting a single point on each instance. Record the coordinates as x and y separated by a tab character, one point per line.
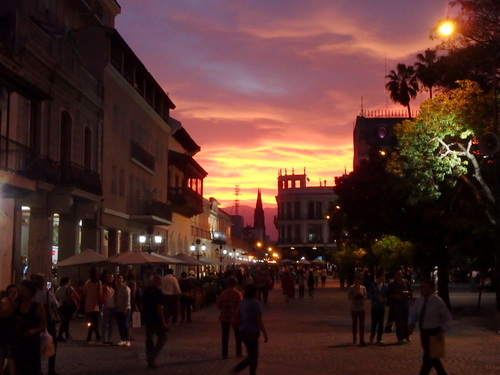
185	201
142	156
149	211
22	160
78	177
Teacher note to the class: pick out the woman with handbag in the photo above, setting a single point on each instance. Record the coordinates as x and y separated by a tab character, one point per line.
68	305
46	297
29	323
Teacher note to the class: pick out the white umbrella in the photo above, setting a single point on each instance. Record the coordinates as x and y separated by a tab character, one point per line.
210	261
141	257
287	261
86	257
303	261
188	261
318	261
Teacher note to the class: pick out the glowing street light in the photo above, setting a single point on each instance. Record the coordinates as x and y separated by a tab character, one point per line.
446	28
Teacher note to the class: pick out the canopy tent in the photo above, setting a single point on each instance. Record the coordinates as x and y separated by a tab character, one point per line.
86	257
210	261
318	261
141	257
187	260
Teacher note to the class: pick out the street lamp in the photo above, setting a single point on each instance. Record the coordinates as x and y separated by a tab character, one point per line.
198	251
147	240
221	254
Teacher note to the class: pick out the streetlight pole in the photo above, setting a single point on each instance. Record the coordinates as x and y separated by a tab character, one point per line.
197	249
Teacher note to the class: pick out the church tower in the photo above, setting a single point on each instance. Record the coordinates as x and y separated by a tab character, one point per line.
258	217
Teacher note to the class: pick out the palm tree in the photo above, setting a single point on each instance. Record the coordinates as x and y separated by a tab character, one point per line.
402	85
427	69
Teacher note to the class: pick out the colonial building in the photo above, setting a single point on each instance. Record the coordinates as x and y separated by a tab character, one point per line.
302	222
51	123
136	135
373	133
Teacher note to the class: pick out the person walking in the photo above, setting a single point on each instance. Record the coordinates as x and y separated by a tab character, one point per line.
47	299
92	290
398	292
356	293
171	293
377	294
108	308
30	321
68	305
311	282
154	320
228	303
187	297
433	318
122	301
8	304
250	326
287	284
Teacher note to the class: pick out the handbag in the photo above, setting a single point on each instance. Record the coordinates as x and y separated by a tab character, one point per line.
47	348
53	313
136	319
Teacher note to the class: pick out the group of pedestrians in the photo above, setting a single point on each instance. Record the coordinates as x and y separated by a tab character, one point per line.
429	312
301	277
25	313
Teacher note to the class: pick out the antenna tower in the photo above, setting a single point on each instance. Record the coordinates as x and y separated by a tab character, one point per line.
237	199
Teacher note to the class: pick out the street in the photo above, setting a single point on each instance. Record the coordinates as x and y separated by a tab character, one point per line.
309	336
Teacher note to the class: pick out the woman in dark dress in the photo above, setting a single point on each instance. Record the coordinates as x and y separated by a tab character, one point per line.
29	323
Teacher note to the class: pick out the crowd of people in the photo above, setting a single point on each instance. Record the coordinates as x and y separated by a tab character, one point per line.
108	300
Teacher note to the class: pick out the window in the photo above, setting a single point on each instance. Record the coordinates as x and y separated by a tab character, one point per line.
314	233
87	153
121	184
114	179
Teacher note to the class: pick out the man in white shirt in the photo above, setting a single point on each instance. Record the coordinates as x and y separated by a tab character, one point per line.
171	293
433	318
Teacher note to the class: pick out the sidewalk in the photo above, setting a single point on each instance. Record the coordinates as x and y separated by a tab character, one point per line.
308	336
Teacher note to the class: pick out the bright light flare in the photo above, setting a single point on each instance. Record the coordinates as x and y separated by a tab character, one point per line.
446	28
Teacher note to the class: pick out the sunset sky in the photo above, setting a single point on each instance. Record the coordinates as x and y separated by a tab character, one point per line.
264	85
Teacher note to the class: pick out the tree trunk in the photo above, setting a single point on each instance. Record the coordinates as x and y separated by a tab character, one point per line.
443	275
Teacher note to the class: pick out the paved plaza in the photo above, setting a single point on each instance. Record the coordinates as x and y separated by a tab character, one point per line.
309	336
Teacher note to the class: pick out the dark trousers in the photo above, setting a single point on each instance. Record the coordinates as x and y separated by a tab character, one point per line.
122	323
93	318
262	293
186	303
428	362
358	316
152	348
377	314
251	341
226	328
401	312
301	291
170	303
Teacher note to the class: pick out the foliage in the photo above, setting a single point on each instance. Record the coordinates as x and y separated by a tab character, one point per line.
428	69
437	147
402	85
392	252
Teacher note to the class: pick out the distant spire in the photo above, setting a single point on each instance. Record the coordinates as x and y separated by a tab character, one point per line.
258	217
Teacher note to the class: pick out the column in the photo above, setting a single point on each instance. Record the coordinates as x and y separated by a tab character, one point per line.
40	242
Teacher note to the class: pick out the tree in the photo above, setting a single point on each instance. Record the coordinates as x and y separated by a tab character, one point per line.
428	69
402	85
438	157
392	252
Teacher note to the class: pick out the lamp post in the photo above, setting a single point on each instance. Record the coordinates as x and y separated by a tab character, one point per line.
221	254
147	240
198	250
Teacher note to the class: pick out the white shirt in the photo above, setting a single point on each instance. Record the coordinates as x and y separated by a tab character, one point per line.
436	314
170	285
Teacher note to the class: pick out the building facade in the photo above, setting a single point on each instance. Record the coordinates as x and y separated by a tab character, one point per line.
51	123
302	222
